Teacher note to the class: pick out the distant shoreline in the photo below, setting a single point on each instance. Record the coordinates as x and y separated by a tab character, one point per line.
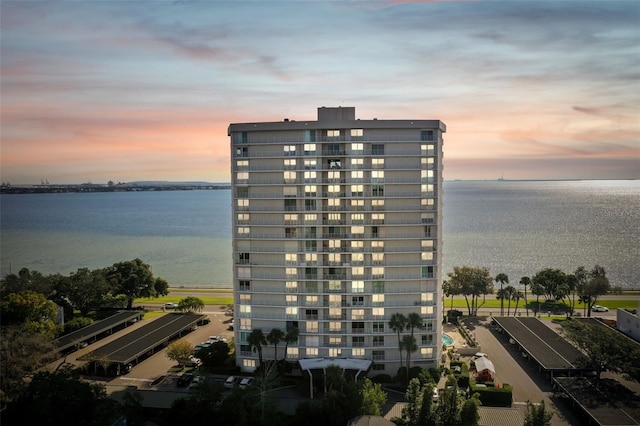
61	189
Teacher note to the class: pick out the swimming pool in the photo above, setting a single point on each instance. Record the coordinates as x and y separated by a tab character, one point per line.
447	340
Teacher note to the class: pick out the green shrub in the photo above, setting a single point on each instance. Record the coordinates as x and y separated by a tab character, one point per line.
463	376
382	378
493	396
77	324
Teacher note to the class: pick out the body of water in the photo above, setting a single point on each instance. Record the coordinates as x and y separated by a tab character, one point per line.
517	228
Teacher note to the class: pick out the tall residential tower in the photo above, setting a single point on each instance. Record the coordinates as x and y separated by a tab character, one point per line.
337	225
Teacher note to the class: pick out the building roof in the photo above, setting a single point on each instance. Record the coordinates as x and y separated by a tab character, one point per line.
370	421
484	363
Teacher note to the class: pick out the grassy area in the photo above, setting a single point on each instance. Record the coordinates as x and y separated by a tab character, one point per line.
175	299
492	303
200	290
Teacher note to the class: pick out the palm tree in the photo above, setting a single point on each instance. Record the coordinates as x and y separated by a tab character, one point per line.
256	339
274	337
502	279
501	295
525	281
538	290
397	323
510	292
290	337
517	296
409	345
414	320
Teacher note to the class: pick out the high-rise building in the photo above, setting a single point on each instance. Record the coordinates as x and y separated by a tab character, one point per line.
337	226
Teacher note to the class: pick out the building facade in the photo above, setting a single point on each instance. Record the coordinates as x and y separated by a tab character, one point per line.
337	226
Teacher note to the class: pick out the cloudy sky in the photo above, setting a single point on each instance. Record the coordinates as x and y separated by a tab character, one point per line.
124	91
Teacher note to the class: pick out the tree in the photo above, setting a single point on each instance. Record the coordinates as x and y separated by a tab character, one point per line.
470	411
289	338
397	323
256	340
450	404
133	278
27	280
191	304
472	282
525	282
60	398
517	296
373	398
603	349
537	415
538	290
510	292
274	337
161	287
30	309
597	285
180	351
22	351
215	355
554	283
409	345
502	279
451	288
85	289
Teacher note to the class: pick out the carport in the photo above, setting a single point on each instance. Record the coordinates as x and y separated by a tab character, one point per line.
320	364
142	342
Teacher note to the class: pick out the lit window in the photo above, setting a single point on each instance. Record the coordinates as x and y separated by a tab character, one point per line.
240	176
334	189
377	176
243	217
335	326
334	244
249	363
245	310
310	176
309	148
333	202
290	218
377	299
310	217
292	285
357	271
311	301
290	163
357	190
377	258
357	230
377	163
334	258
311	258
357	148
427	244
289	150
243	230
377	272
310	190
357	286
333	175
335	313
291	258
292	299
291	272
242	164
333	133
426	352
357	175
357	258
357	204
377	204
357	352
312	326
357	132
335	285
357	218
377	312
335	352
427	256
289	176
292	353
245	323
357	314
426	189
427	149
357	245
377	218
426	175
356	163
292	312
312	351
310	164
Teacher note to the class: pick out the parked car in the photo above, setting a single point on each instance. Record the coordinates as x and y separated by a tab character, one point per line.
185	380
598	308
196	382
170	305
245	382
435	394
230	382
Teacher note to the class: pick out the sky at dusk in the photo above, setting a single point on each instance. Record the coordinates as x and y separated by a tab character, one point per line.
125	91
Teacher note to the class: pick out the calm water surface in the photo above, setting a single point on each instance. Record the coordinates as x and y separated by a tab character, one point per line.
516	228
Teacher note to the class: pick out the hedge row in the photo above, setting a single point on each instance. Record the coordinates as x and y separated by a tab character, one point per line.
491	396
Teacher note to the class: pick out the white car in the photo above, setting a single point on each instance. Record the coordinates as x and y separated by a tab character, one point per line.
598	308
170	305
245	382
435	396
196	382
230	382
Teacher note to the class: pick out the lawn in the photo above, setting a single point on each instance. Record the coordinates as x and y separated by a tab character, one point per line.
492	302
176	299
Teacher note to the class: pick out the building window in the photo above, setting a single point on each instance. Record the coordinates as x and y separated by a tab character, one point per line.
357	163
290	232
377	149
291	286
335	352
357	301
309	190
427	189
311	273
377	312
291	259
243	217
377	287
357	230
292	353
290	218
357	204
242	164
357	341
377	204
377	218
245	311
378	327
377	258
357	327
357	245
377	176
377	163
289	163
333	190
426	175
311	300
357	175
311	314
291	312
333	133
312	351
243	231
310	164
244	272
428	272
312	326
377	272
427	340
310	245
377	299
310	177
333	176
357	190
377	356
378	340
357	258
377	190
426	135
309	204
289	150
426	352
242	176
244	285
310	218
427	257
242	191
242	151
357	314
289	176
428	203
357	133
311	258
309	149
291	272
310	232
357	272
357	286
357	148
334	164
427	245
427	149
249	363
291	299
245	323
